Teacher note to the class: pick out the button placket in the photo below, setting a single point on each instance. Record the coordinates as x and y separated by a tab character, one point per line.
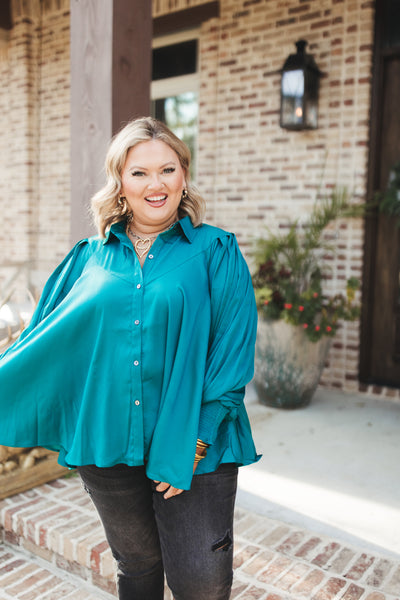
136	429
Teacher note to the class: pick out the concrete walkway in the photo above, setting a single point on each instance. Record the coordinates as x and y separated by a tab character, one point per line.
332	467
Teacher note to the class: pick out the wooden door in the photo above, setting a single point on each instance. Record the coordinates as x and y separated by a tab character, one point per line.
380	339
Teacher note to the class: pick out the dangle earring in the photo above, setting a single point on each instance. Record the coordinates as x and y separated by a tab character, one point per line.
184	194
124	208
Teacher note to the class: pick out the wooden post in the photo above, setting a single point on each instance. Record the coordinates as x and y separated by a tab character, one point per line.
110	84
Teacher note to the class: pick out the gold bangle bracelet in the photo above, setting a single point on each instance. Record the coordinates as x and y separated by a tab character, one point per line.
198	457
202	444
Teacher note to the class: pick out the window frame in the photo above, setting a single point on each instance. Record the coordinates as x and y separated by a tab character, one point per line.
174	86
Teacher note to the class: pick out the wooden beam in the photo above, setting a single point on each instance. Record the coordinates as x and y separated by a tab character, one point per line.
110	84
5	15
132	38
185	19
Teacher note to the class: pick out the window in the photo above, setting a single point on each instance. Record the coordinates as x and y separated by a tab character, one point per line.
175	84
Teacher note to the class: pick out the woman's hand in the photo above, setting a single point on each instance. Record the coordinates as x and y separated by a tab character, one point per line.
171	490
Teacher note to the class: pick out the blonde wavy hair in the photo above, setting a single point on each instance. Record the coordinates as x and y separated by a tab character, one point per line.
105	207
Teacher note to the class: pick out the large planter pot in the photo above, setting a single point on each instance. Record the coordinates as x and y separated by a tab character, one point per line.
288	365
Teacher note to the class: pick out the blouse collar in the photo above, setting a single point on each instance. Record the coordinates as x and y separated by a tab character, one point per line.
184	225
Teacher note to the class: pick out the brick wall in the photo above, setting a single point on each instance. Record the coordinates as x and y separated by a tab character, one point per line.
54	99
253	174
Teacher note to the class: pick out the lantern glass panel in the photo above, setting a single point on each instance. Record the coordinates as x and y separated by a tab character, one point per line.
293	83
311	101
312	114
292	97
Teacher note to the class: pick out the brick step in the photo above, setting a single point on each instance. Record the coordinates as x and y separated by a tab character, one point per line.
57	523
24	576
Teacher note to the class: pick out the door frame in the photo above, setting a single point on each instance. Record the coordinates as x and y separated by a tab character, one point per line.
372	219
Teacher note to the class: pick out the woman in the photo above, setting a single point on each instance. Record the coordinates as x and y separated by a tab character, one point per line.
134	366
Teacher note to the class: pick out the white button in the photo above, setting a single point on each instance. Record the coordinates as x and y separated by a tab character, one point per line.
136	362
151	256
137	402
137	322
138	286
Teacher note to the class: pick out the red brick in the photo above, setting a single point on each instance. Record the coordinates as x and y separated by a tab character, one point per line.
40	590
10	566
71	567
57	483
291	577
258	562
321	24
310	582
331	588
107	585
61	591
353	592
237	589
29	582
393	586
329	550
11	538
380	570
275	536
297	9
10	512
274	569
95	555
360	567
284	22
307	547
16	575
310	16
291	542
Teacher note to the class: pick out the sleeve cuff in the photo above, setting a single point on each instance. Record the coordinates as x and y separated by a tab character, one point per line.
211	416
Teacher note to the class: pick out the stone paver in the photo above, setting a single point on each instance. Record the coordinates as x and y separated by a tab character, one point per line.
54	547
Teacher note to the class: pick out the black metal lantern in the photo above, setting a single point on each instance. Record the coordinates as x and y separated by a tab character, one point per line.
299	90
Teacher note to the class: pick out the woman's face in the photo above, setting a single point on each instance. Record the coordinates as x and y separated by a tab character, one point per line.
152	182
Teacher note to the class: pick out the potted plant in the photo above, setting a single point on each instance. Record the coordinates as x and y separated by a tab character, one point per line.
297	319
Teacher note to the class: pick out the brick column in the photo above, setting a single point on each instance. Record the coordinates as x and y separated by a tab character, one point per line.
22	156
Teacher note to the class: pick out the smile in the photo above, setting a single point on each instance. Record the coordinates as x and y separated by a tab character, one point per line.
159	198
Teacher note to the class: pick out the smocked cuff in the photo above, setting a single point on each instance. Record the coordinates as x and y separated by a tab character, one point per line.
211	416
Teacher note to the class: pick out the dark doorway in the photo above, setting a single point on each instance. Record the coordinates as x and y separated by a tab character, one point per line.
380	334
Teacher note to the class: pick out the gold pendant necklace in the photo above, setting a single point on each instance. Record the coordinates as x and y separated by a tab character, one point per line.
143	245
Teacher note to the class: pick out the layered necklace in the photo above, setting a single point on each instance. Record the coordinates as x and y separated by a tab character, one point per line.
143	245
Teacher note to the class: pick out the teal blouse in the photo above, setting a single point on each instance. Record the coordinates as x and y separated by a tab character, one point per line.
123	364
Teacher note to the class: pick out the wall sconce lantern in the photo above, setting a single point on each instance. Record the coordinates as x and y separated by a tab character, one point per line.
299	90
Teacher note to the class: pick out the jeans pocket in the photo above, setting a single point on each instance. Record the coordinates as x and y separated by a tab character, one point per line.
110	480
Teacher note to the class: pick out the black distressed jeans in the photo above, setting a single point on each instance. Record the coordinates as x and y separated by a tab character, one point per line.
189	536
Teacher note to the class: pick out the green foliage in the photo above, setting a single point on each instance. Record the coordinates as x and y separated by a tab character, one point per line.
291	270
390	199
